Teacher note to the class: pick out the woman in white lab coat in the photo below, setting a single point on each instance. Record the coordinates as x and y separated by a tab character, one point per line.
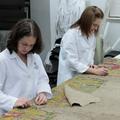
22	75
78	46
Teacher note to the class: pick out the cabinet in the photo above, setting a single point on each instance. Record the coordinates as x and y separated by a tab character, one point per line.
11	11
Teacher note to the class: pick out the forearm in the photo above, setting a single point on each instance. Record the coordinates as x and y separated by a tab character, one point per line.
7	102
45	88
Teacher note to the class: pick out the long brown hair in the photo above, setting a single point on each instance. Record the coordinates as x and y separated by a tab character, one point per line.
88	16
25	27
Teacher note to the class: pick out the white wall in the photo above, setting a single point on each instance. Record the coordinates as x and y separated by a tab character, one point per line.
40	12
44	13
53	12
99	3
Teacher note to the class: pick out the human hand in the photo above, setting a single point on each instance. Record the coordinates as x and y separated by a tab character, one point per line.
101	71
41	99
22	102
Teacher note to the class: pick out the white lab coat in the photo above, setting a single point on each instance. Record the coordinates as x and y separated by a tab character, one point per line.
76	54
18	80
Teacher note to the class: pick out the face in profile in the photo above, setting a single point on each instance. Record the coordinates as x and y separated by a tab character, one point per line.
95	25
25	45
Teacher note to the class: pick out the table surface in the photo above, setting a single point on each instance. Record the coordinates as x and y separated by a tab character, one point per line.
107	88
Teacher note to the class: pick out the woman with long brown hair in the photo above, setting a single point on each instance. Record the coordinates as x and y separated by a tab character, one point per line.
78	46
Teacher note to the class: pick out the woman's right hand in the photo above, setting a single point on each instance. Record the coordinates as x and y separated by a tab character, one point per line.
98	71
22	102
101	71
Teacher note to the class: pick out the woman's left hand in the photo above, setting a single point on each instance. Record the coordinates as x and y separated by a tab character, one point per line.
41	99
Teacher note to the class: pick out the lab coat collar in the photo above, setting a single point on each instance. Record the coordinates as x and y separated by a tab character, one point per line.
14	55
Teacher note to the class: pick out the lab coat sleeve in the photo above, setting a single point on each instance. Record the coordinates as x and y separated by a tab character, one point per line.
43	82
70	47
6	101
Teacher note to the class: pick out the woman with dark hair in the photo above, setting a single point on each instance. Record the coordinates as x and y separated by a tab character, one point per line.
78	46
22	75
